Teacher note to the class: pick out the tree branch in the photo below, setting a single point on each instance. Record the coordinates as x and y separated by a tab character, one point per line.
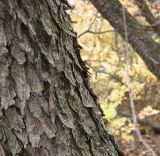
94	32
130	91
142	42
146	12
88	30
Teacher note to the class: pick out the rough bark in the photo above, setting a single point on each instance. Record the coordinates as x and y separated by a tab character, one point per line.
141	41
46	105
146	12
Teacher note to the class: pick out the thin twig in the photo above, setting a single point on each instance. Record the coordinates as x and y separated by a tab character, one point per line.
95	33
134	116
116	51
112	76
88	30
116	43
90	26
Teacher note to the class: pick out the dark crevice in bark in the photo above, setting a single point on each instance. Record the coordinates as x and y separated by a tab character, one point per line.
41	33
77	52
76	146
90	147
53	19
20	4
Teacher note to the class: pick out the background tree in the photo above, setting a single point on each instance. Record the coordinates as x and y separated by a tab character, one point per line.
138	37
46	107
147	32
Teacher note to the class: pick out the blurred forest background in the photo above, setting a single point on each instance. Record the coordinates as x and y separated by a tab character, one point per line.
103	52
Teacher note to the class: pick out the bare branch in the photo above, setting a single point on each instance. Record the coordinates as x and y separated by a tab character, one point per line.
134	116
88	30
95	33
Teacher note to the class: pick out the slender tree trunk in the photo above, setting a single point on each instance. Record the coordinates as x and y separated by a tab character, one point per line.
141	41
46	105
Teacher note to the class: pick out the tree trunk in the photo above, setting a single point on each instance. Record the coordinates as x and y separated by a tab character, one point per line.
146	12
141	41
46	105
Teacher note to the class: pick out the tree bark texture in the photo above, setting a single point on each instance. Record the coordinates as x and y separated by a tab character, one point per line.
146	12
141	41
46	105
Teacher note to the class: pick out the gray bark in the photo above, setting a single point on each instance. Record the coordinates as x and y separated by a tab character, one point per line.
46	105
147	13
140	40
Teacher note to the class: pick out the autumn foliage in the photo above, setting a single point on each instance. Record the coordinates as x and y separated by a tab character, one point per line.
103	52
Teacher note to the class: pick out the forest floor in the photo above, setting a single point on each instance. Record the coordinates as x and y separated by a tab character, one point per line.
135	148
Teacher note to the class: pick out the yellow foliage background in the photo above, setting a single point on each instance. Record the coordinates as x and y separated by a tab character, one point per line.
103	54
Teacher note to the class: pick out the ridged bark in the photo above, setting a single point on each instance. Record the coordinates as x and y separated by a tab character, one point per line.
46	105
